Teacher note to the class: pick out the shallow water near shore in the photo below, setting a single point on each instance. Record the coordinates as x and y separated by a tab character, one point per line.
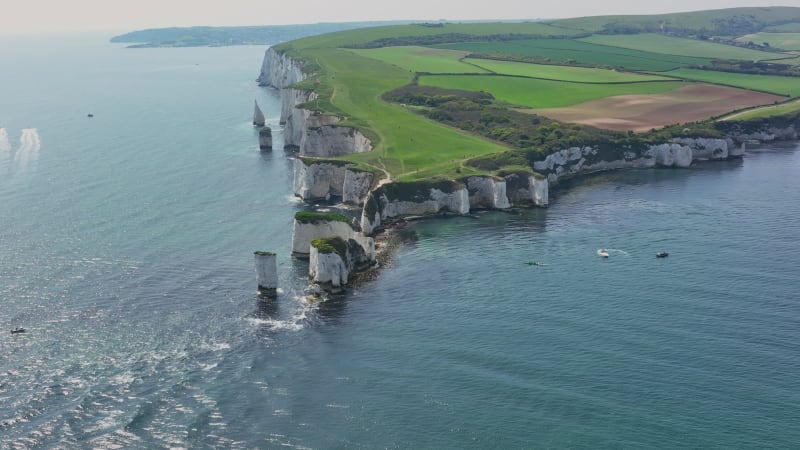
127	255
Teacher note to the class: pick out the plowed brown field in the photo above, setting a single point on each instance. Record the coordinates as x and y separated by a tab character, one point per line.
643	112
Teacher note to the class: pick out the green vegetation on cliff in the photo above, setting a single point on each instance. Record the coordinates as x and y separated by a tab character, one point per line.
444	101
331	245
316	217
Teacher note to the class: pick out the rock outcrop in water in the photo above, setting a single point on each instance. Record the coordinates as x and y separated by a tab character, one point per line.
329	262
265	138
266	273
258	116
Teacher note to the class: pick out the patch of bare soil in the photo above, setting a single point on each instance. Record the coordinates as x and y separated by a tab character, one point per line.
644	112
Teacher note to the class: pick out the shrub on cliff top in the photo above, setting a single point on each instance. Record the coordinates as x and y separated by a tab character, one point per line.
331	245
316	217
416	191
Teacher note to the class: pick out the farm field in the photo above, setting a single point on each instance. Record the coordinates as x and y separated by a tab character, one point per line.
564	73
784	28
581	53
535	93
668	45
644	112
788	86
785	41
356	84
616	82
767	111
422	59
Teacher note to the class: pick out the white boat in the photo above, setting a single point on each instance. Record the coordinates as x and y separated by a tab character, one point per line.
603	253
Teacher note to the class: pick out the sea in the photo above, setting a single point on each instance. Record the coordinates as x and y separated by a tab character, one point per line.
126	252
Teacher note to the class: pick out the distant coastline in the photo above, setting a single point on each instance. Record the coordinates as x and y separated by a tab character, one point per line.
201	36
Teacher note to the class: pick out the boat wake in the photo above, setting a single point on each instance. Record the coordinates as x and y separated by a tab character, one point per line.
29	146
5	148
5	145
608	252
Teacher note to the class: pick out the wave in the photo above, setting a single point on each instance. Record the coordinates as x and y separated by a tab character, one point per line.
29	145
5	148
5	145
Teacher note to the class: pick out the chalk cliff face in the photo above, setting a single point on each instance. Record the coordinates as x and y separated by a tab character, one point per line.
526	189
385	203
280	71
540	191
356	186
327	268
304	233
266	273
705	149
309	132
673	155
318	180
768	134
265	138
327	139
487	193
315	180
679	153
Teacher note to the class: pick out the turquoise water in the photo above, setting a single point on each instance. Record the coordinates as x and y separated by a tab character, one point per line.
127	244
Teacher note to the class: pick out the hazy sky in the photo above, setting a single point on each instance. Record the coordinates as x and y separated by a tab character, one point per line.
127	15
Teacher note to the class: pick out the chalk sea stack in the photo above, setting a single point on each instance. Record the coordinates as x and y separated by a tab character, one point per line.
258	116
267	273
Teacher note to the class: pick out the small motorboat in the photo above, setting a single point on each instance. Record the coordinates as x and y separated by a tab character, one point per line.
18	330
90	115
662	254
603	253
535	263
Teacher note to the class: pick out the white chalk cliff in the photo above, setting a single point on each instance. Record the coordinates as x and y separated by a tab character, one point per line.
487	192
380	206
319	135
304	233
315	180
328	268
309	132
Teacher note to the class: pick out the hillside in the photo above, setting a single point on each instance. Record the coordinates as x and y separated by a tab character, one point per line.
723	22
411	88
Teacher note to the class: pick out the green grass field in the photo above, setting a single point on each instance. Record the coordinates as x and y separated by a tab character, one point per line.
572	51
668	45
564	73
766	111
788	86
404	142
422	59
785	41
365	35
784	28
534	93
350	83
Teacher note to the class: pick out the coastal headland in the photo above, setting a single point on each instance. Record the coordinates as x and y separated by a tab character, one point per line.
442	118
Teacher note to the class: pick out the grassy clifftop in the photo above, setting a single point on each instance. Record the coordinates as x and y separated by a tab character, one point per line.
523	70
